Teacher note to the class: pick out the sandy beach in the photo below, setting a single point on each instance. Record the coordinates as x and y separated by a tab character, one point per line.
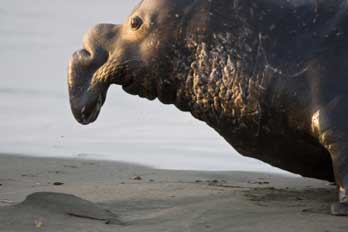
85	195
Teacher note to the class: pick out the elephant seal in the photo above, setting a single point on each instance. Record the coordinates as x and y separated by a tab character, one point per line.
270	76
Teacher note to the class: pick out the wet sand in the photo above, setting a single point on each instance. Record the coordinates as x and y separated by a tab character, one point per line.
84	195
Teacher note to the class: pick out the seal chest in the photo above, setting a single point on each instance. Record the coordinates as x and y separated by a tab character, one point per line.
316	122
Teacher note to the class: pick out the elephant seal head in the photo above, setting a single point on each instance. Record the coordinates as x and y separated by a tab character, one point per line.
138	54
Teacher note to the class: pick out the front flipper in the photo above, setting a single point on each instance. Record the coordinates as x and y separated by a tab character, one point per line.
333	136
339	209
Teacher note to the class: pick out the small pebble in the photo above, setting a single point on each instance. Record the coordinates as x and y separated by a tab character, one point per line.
137	178
70	166
58	183
258	182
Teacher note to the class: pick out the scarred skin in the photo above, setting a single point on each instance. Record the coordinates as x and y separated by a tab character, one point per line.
270	76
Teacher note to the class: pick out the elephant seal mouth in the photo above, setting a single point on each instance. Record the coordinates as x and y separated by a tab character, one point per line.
86	108
90	115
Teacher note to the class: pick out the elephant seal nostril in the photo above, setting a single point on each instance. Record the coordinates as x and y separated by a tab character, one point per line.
82	57
84	54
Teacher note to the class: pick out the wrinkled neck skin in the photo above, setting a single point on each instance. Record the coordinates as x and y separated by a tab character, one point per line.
219	78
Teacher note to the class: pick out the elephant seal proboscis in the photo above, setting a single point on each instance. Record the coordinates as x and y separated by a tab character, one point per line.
270	76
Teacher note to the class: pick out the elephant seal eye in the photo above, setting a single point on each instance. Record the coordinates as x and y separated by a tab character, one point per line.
136	23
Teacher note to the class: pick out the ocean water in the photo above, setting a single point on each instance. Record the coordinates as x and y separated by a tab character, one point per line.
37	38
